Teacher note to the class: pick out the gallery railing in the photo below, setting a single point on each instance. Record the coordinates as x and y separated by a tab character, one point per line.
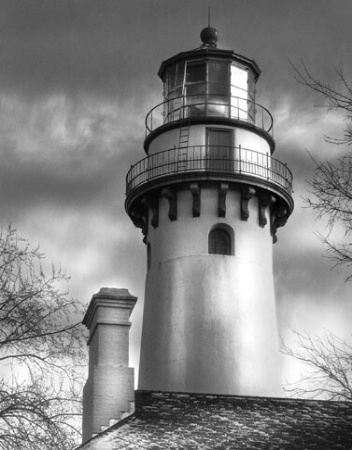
208	160
190	106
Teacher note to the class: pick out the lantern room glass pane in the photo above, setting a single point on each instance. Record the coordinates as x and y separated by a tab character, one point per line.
251	87
251	96
177	75
218	105
175	80
239	92
218	89
196	89
239	81
218	72
196	73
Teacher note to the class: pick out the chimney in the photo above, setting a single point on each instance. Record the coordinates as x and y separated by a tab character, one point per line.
109	391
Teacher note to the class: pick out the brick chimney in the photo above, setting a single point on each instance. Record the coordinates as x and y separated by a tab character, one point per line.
109	391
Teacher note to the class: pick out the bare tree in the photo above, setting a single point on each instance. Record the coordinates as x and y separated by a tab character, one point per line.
332	198
328	363
328	359
41	349
335	99
331	184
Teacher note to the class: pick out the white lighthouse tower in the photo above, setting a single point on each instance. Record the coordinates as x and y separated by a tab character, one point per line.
209	197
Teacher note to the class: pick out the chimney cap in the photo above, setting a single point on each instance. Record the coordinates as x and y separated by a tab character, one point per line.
106	292
109	298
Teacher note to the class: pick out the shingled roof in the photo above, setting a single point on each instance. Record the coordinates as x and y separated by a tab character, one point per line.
165	420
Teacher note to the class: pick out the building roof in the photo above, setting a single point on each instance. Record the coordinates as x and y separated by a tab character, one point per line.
204	52
165	420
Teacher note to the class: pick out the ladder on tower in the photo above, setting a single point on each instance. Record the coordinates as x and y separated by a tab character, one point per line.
183	146
184	136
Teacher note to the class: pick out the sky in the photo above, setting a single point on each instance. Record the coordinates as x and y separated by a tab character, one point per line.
77	78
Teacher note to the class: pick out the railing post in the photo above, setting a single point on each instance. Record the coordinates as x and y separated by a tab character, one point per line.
268	177
239	158
286	180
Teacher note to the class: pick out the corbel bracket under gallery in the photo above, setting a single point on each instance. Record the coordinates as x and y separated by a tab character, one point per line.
222	195
266	200
171	195
279	216
152	203
247	192
196	199
139	218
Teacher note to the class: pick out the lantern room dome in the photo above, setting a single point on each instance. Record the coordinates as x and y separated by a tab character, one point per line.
209	37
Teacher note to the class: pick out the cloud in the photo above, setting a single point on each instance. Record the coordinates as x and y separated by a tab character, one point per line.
115	48
75	47
76	81
58	151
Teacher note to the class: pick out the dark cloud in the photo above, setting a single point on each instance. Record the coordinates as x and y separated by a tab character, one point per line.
72	46
70	183
116	47
294	267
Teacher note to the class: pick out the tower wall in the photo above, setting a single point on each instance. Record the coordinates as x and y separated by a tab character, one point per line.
197	137
210	321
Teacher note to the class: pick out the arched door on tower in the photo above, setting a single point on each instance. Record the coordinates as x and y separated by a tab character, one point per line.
219	149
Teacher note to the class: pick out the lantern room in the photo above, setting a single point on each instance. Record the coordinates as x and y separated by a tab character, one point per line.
208	82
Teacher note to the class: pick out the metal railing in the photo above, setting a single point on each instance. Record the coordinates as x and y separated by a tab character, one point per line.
208	160
184	107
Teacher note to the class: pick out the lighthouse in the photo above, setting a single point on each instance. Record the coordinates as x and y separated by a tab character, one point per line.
209	197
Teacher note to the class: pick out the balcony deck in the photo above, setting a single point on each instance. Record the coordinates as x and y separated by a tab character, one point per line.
228	164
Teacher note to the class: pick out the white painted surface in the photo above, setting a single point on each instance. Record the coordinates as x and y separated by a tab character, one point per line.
197	136
210	320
